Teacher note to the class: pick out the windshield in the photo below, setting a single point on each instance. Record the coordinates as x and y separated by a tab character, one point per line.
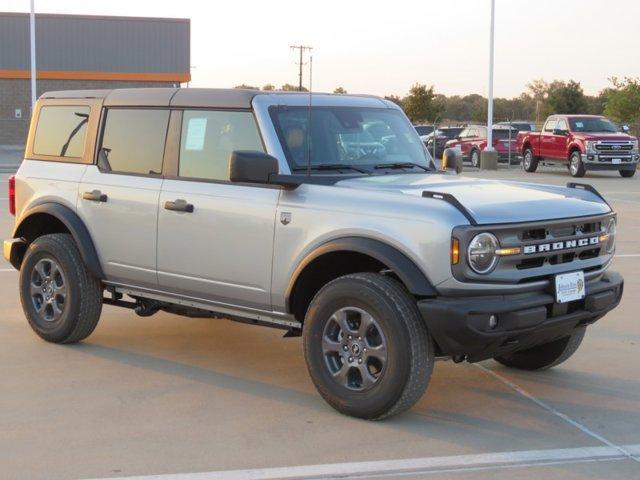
591	125
354	138
503	133
423	129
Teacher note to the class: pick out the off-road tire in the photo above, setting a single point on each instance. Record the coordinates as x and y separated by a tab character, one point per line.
529	161
410	351
627	173
544	356
576	167
475	154
83	303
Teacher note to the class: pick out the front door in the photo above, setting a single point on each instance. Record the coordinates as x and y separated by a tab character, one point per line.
118	198
547	138
215	238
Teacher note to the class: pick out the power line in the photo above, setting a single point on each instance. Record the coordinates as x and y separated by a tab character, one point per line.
301	49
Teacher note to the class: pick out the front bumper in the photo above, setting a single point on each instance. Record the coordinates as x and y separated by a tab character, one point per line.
460	325
605	162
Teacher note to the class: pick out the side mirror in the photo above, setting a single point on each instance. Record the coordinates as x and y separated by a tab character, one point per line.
247	166
625	128
557	131
451	160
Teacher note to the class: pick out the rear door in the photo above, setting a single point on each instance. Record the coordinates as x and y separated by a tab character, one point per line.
118	198
215	238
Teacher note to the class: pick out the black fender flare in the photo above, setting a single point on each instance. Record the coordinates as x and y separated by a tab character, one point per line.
76	227
406	270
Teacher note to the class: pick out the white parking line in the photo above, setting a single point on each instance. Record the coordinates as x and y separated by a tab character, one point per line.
627	255
453	463
557	413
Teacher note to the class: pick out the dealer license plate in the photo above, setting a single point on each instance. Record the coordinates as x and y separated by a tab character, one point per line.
569	287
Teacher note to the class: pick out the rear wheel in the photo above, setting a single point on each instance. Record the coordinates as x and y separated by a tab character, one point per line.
544	356
529	162
367	349
60	298
475	158
627	173
576	167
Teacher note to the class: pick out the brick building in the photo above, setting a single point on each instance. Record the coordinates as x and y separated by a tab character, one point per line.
85	52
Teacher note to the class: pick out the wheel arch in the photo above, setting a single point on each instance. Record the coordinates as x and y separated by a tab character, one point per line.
350	255
52	217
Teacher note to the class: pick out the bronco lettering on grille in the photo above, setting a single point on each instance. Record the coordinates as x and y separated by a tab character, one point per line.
563	245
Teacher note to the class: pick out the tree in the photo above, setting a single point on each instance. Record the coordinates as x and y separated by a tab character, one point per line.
623	100
421	105
287	87
567	97
247	87
395	99
339	90
269	87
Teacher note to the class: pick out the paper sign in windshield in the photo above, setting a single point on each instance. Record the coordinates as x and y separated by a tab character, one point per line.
196	129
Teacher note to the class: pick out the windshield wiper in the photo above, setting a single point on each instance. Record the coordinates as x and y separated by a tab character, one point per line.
402	165
329	166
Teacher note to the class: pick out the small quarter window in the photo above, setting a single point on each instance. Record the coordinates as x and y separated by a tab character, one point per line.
209	137
133	141
61	131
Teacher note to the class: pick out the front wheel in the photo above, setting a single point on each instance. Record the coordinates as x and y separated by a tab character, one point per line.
627	173
60	298
367	349
576	167
544	356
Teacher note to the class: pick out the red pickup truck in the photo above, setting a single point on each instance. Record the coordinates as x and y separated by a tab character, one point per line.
582	142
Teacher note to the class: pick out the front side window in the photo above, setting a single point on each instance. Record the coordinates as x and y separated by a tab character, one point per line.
209	137
353	137
550	125
61	131
133	140
561	125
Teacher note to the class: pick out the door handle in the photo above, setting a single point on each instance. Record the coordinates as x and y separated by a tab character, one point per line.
179	205
95	196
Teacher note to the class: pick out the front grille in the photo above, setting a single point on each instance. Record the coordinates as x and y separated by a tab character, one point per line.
613	146
547	248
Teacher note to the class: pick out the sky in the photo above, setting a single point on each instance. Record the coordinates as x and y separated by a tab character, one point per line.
383	47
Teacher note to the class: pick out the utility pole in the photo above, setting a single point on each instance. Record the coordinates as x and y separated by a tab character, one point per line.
301	49
32	28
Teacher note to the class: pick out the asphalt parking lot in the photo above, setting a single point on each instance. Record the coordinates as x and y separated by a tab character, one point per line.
171	395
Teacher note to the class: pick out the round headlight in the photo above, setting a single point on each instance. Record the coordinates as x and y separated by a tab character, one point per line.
611	231
481	253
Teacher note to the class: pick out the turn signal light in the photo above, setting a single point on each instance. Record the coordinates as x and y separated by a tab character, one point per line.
504	252
12	195
455	251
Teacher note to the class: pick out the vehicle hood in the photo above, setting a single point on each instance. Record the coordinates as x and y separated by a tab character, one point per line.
603	136
490	201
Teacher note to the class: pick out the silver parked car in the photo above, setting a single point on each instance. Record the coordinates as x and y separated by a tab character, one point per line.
322	215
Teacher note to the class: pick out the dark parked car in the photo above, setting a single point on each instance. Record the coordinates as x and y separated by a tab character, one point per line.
423	130
441	136
520	125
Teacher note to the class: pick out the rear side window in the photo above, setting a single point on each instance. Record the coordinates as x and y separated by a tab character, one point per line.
61	131
133	140
209	137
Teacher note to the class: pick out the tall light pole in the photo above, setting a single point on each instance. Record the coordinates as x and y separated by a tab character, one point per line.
32	24
490	99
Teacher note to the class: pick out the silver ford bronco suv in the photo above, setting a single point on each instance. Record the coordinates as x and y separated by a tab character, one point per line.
322	215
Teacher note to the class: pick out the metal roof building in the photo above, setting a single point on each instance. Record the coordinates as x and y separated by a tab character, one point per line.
85	52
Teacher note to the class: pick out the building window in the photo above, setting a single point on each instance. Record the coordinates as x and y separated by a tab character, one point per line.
209	137
133	141
61	131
